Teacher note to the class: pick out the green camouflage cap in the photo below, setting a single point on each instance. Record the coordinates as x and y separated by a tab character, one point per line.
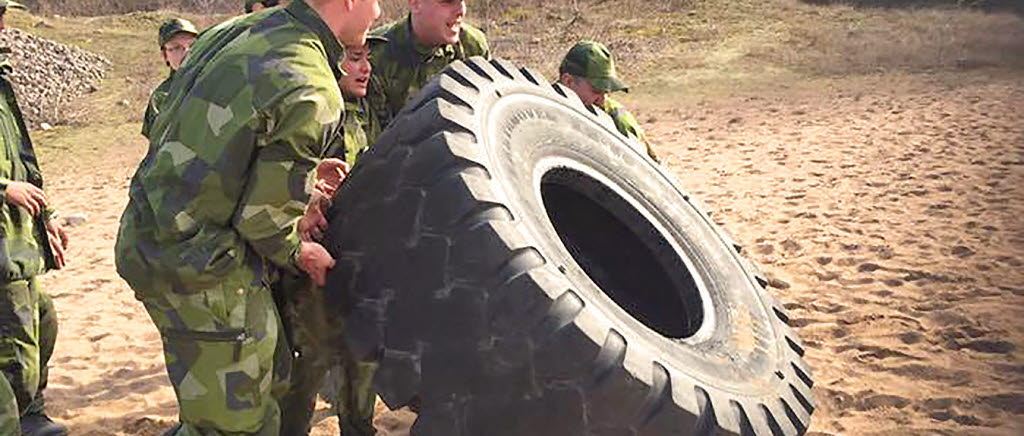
372	40
173	27
9	4
593	61
266	3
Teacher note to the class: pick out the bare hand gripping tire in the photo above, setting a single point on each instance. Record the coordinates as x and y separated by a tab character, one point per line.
520	269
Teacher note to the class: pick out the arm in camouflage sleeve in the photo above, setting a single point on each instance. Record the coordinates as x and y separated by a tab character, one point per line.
487	51
6	169
276	193
147	119
633	131
156	100
376	100
628	126
484	47
475	42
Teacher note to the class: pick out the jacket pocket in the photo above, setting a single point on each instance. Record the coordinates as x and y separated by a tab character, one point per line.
235	338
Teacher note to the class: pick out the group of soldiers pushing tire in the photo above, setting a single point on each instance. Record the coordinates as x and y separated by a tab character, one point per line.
256	126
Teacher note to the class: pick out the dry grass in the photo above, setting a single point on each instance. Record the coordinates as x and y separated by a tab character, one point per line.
720	38
89	8
1015	6
761	43
128	41
845	39
669	49
672	47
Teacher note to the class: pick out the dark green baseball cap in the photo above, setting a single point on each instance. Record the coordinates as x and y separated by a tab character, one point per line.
266	3
173	27
593	61
10	4
372	40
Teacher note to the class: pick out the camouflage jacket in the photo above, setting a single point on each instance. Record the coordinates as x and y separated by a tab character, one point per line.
228	171
361	129
216	33
402	66
204	39
627	125
8	409
155	100
24	247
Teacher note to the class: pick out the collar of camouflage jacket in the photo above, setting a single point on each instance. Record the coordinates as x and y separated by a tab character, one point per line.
309	18
423	52
354	105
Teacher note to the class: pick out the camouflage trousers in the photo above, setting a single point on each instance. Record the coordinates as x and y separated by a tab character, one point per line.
315	336
301	305
9	422
28	333
225	357
349	388
249	361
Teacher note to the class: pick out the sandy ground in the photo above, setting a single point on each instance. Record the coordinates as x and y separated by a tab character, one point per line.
889	211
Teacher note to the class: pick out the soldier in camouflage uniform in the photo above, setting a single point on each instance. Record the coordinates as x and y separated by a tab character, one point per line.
349	387
214	207
31	243
8	409
361	124
419	47
175	37
589	70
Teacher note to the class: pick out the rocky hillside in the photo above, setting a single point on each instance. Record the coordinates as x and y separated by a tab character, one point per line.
48	75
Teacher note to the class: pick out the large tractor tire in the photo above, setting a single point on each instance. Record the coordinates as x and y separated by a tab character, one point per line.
520	268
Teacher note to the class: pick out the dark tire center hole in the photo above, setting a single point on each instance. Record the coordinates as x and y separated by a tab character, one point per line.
622	253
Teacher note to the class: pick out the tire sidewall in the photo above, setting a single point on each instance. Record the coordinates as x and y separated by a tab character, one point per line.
528	130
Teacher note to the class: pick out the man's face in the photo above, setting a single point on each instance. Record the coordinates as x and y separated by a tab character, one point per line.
437	22
360	18
176	48
256	7
582	87
357	72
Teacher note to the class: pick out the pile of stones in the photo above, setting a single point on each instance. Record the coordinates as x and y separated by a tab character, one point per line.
48	76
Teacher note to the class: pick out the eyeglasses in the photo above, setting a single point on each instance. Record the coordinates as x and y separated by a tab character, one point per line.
175	48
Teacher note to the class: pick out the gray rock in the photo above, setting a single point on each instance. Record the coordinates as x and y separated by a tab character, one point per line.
48	75
74	220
